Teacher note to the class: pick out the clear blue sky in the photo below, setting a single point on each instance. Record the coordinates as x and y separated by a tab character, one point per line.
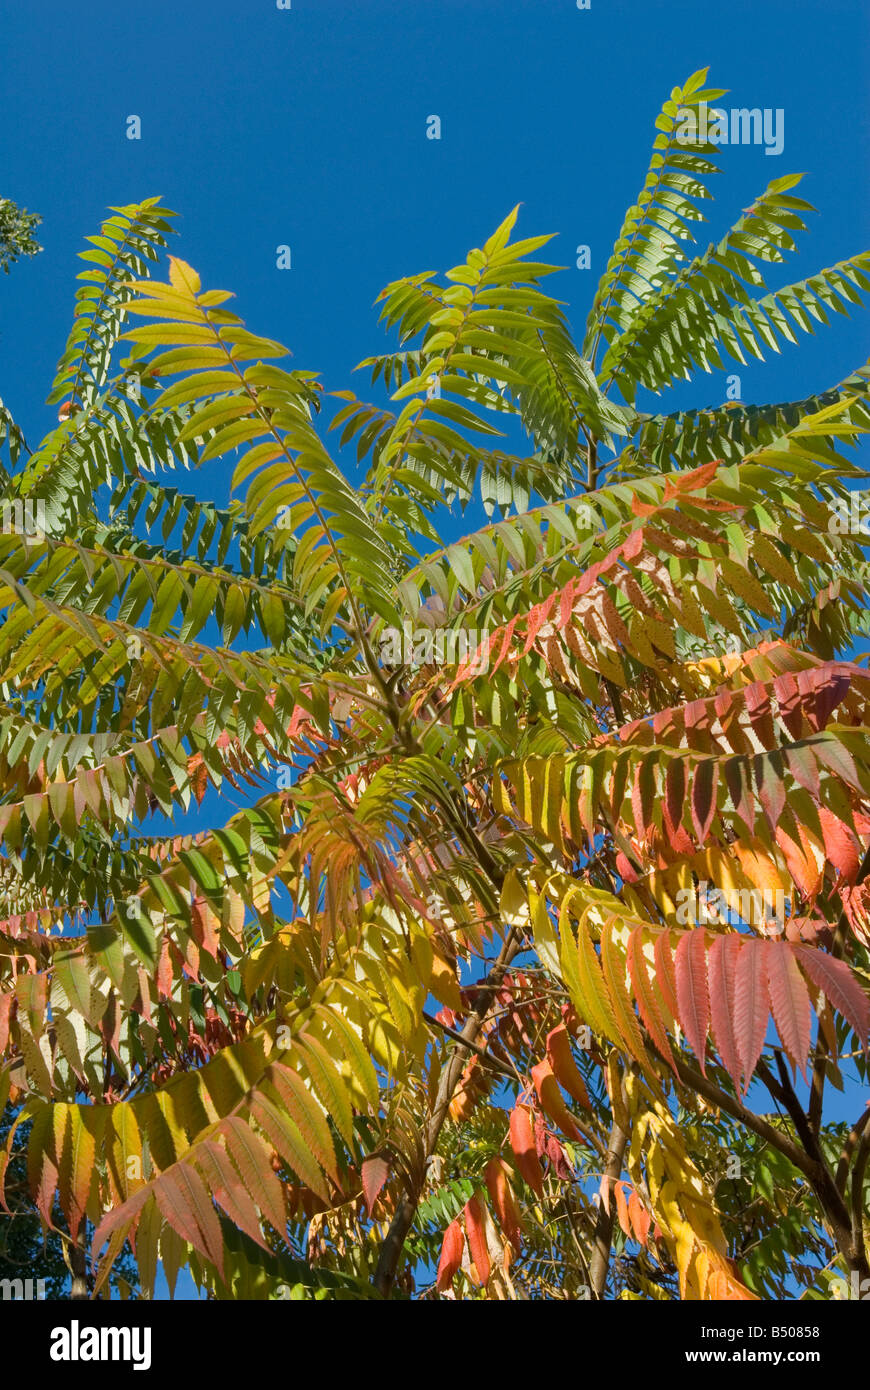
307	127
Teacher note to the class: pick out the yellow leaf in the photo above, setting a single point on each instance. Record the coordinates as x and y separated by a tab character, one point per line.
685	1246
444	985
183	277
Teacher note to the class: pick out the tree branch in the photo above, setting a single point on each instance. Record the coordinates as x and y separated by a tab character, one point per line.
391	1249
600	1262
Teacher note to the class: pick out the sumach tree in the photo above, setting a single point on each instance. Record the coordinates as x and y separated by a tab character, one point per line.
525	971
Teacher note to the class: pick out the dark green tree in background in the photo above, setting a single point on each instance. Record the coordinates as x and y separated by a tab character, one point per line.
17	226
26	1250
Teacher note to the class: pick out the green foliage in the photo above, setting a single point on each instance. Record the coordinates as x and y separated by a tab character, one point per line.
17	226
27	1250
633	680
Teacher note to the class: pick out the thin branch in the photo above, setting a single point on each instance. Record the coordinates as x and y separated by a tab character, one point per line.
394	1241
600	1262
857	1202
852	1140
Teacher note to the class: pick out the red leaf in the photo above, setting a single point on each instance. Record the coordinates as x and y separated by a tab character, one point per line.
751	1010
722	974
535	620
126	1215
566	605
835	979
185	1202
451	1255
565	1069
203	925
758	708
551	1100
692	996
198	774
789	1001
475	1226
164	970
801	864
522	1138
643	795
541	1136
695	715
633	544
375	1171
675	790
228	1190
475	661
788	697
642	508
622	1209
841	847
503	1200
625	869
828	695
737	781
639	1217
251	1157
693	481
558	1160
5	1005
704	783
506	634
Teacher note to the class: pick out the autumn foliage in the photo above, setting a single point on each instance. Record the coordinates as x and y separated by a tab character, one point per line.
522	972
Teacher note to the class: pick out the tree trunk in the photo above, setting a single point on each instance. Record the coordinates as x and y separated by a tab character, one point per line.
78	1263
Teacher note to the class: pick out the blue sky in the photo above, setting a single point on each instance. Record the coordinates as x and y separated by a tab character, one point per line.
307	127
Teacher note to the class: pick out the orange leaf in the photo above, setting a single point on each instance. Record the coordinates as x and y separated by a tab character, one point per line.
503	1200
522	1137
475	1226
452	1247
565	1069
622	1209
692	995
639	1218
551	1100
